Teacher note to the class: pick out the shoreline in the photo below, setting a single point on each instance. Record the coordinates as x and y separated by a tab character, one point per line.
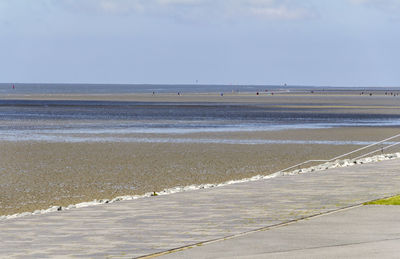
178	189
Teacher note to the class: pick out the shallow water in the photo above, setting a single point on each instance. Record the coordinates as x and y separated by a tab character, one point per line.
49	120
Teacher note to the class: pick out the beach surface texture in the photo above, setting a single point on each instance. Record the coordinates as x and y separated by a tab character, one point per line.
157	224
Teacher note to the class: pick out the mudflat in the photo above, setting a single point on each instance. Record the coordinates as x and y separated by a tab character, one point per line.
57	159
36	175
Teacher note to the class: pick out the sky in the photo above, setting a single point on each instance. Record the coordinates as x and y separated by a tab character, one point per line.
266	42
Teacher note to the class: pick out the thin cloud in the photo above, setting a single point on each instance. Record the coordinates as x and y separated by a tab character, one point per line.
389	6
196	9
280	12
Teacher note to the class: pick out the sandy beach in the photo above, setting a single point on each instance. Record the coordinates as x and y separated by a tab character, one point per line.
36	175
68	168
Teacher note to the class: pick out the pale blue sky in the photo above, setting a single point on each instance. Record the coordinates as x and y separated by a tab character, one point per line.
300	42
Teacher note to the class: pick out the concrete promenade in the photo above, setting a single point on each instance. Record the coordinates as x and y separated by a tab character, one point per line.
141	227
361	232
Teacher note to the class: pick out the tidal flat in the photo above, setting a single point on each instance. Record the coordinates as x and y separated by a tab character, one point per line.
36	175
58	150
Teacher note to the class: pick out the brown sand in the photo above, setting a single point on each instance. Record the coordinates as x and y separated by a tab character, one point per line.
36	175
339	134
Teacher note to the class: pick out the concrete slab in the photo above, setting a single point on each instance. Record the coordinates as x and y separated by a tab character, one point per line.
145	226
362	232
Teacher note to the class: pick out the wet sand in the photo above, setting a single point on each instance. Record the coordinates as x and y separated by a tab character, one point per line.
36	175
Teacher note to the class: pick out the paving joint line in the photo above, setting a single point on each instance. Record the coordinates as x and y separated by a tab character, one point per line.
286	223
331	246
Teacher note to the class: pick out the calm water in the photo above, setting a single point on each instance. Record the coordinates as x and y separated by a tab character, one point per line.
80	121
